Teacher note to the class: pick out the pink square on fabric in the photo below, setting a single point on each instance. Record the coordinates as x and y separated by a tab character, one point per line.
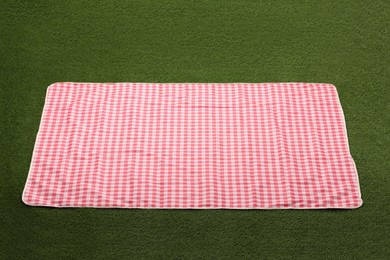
192	145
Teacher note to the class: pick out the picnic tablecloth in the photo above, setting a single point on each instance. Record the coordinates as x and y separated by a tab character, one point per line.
192	145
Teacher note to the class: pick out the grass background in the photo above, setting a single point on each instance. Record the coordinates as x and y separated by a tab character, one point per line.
345	43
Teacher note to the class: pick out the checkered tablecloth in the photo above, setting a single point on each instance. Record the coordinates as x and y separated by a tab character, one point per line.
190	145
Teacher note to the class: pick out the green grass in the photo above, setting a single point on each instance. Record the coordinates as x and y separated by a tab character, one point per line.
345	43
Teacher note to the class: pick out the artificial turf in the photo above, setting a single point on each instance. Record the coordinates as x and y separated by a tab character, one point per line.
345	43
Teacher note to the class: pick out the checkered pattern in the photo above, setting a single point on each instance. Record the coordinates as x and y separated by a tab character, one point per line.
147	145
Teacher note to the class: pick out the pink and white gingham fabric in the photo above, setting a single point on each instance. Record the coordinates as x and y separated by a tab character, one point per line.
232	145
